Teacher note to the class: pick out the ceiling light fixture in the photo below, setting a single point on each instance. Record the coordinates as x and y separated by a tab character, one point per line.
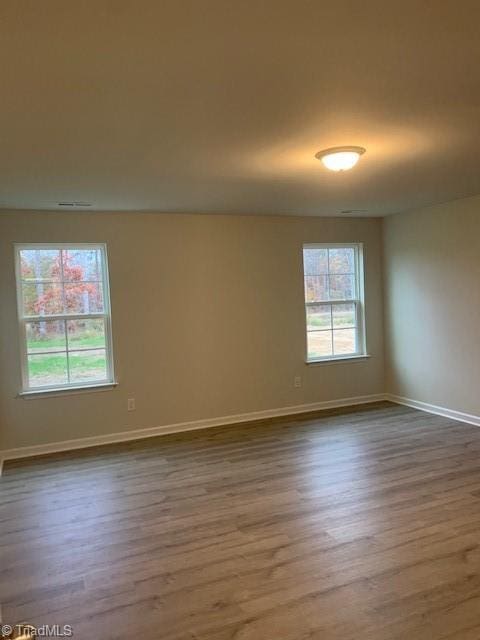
340	158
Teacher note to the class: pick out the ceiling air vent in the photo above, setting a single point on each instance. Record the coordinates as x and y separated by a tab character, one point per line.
74	204
354	211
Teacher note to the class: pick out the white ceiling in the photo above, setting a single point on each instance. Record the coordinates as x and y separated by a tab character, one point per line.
221	105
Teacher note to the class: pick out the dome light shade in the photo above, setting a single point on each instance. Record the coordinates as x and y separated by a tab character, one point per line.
340	158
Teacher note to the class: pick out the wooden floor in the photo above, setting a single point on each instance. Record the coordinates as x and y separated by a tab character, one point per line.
359	525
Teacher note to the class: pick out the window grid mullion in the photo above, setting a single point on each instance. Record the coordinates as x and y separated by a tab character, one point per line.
65	326
53	353
328	279
62	280
24	349
65	316
316	331
68	350
357	329
49	281
331	315
332	302
312	275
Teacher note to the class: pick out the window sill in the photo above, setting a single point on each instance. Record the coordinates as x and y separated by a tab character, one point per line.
66	391
340	359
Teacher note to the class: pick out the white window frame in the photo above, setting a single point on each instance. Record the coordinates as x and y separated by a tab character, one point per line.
358	300
106	315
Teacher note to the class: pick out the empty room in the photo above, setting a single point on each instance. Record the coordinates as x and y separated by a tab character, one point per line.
240	320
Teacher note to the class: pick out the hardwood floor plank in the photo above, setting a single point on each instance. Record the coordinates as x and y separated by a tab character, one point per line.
353	524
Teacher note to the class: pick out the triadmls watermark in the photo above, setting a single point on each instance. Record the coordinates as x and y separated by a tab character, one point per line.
27	631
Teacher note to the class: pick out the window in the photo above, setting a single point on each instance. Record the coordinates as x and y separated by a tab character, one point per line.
64	315
334	301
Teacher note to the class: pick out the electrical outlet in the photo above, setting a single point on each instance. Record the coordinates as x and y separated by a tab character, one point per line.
131	404
297	381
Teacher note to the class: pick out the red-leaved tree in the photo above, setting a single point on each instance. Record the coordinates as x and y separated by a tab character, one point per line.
48	298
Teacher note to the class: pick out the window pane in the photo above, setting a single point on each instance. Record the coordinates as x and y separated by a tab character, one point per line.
315	262
319	317
87	365
47	335
316	288
341	260
81	264
319	344
47	370
344	341
342	287
40	264
54	280
86	334
41	298
332	296
343	316
84	297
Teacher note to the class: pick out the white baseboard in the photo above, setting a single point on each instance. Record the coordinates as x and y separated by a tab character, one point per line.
140	434
432	408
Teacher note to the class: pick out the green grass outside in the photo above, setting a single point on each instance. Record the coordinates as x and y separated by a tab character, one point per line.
48	369
340	320
88	341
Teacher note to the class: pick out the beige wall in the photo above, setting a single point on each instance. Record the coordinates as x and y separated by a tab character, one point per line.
432	306
208	320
